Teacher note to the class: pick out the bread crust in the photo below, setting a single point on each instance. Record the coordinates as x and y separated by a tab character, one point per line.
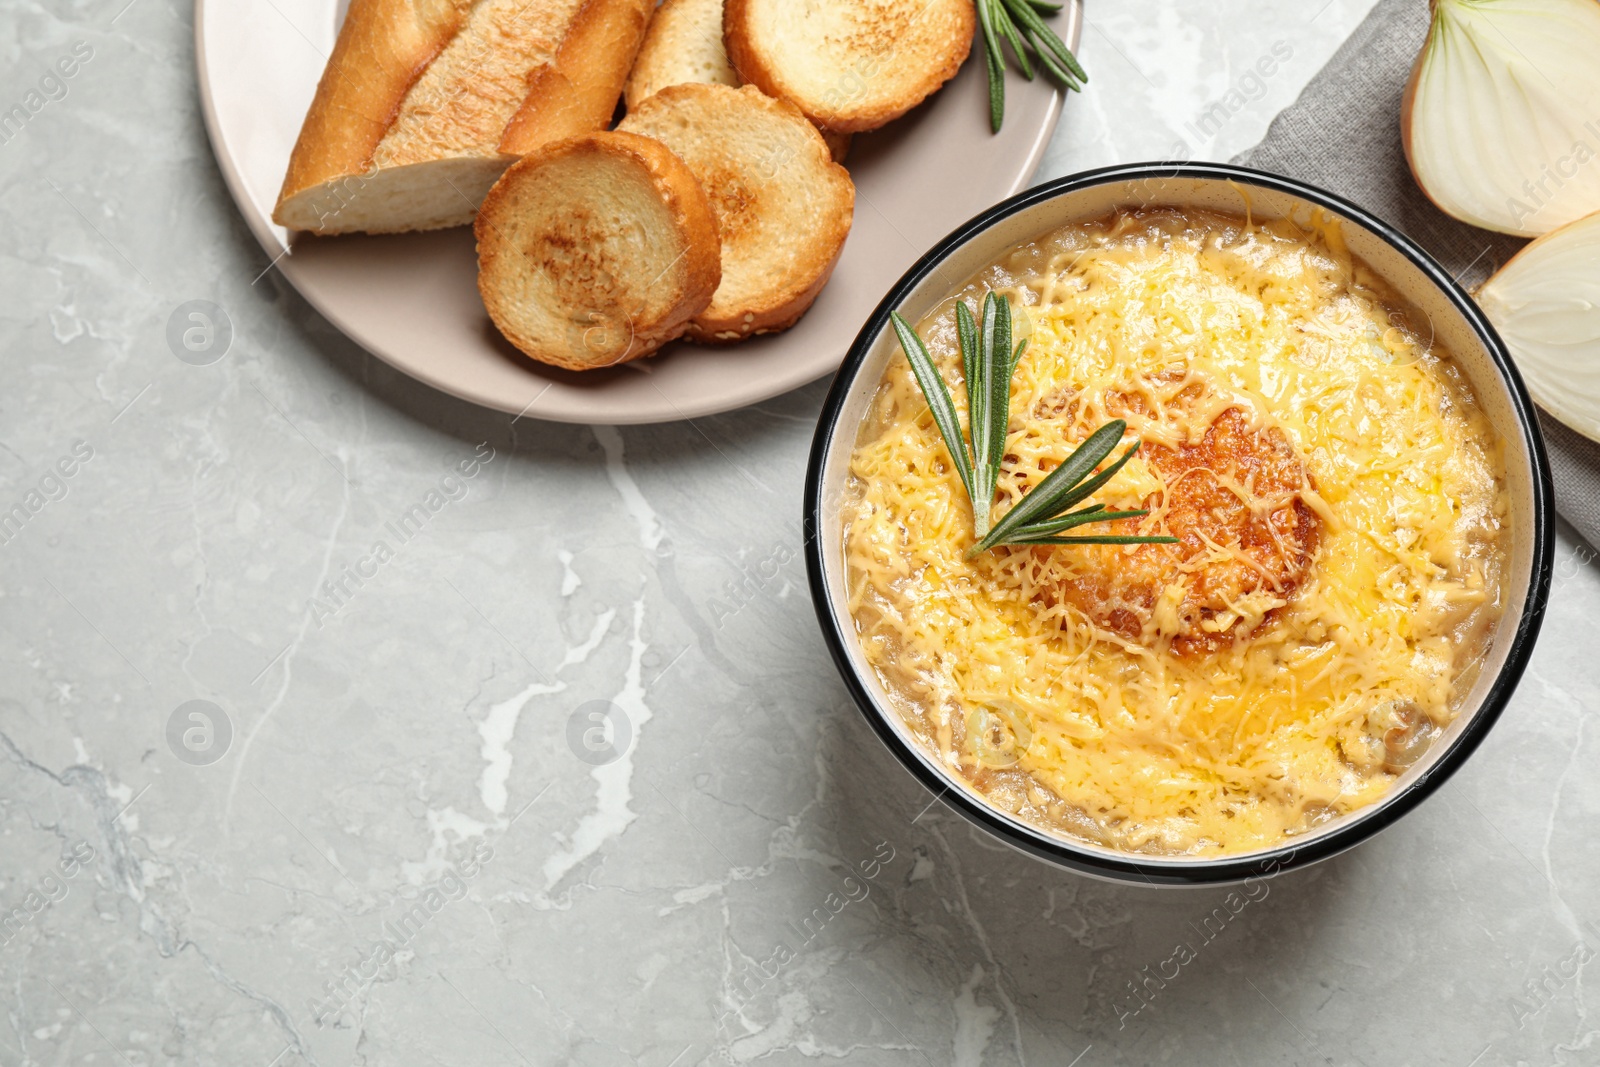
382	50
783	207
684	44
462	85
567	283
866	62
578	92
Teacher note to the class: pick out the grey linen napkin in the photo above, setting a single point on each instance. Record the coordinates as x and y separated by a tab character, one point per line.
1343	134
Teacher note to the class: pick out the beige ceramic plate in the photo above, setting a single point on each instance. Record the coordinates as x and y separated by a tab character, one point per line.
412	300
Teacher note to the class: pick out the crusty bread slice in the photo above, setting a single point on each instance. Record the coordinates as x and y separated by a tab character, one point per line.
683	44
783	207
849	65
382	47
578	92
424	103
596	250
684	47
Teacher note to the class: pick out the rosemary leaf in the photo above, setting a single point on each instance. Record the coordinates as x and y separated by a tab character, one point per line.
1020	25
997	337
1051	495
1050	528
993	60
978	398
1098	539
1038	527
967	334
1016	358
1025	13
1008	30
989	362
1083	491
938	397
1046	60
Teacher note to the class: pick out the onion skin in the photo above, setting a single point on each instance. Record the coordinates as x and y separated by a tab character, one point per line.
1408	101
1494	45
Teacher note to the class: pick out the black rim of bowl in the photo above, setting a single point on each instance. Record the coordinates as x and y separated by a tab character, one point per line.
1085	858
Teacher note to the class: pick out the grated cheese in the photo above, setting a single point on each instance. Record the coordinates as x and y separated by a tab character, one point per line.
1319	695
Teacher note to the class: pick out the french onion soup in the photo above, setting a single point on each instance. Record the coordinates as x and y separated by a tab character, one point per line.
1256	622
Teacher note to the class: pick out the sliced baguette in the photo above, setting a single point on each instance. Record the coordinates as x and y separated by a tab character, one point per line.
684	47
783	207
424	103
596	250
849	65
683	44
578	92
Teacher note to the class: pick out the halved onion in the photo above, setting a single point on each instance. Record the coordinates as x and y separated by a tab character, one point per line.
1546	304
1501	119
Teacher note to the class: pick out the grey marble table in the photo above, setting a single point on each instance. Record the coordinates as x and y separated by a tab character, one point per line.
386	835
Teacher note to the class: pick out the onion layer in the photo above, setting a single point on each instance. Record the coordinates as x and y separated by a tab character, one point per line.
1501	119
1546	304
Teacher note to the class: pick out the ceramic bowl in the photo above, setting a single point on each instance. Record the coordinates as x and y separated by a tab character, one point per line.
1414	277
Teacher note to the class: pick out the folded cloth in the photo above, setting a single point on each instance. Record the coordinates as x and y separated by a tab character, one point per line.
1343	134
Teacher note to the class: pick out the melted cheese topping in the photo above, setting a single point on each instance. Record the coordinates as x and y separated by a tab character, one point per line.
1317	697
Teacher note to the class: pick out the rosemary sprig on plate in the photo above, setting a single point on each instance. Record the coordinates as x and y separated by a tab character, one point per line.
1018	23
1045	514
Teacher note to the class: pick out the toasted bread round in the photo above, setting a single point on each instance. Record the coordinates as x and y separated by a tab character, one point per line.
683	44
1238	486
684	47
783	206
849	65
596	250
